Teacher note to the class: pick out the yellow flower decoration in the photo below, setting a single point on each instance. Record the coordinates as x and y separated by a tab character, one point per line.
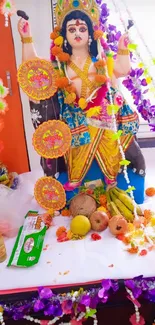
94	111
82	103
1	309
70	98
148	80
59	41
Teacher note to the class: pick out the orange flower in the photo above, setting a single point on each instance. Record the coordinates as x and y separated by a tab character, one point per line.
70	98
103	199
147	214
98	34
56	50
60	231
133	250
62	82
70	89
100	78
57	29
150	191
100	64
54	35
63	57
65	213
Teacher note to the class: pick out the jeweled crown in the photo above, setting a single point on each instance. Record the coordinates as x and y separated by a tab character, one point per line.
64	7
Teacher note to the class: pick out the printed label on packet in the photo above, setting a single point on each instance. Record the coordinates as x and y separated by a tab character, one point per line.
29	242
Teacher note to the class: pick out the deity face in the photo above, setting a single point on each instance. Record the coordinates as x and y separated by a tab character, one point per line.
77	33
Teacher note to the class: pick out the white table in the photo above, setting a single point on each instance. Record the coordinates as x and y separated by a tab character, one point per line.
73	262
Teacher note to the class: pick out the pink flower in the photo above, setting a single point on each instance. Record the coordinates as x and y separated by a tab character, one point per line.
118	100
44	322
134	322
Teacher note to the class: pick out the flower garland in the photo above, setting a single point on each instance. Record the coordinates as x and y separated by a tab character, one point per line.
3	107
7	8
135	84
79	305
62	58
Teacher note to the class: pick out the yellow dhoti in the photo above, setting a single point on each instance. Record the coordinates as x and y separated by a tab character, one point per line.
102	148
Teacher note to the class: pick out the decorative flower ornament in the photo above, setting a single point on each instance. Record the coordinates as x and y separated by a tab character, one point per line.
3	106
7	8
3	90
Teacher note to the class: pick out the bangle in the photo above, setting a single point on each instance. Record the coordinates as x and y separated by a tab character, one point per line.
123	52
26	40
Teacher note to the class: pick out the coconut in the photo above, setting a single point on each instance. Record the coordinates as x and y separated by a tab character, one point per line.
82	204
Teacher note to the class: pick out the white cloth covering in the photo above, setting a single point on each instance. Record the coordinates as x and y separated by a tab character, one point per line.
71	262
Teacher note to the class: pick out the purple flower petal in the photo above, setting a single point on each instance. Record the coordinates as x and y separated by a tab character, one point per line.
45	293
106	284
101	293
38	306
85	300
143	82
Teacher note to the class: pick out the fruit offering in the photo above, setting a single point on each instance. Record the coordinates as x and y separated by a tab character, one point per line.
99	221
80	225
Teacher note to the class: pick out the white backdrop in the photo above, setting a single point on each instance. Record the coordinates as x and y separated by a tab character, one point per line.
39	12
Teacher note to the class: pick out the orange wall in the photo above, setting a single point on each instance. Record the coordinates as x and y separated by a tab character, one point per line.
14	154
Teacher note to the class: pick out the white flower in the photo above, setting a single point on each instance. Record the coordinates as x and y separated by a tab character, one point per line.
35	116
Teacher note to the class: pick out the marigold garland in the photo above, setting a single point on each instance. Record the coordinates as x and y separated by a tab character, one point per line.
98	34
70	89
100	78
70	98
62	82
54	35
82	103
56	50
100	64
63	57
58	41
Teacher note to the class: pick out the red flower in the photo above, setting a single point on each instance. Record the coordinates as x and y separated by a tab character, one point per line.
95	236
143	252
120	237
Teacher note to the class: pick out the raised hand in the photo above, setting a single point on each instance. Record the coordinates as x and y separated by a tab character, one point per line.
24	28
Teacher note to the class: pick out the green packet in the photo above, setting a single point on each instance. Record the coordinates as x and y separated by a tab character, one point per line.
29	242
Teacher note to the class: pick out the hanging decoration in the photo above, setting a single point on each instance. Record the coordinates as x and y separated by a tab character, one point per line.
49	193
7	8
52	139
3	108
78	305
139	80
37	78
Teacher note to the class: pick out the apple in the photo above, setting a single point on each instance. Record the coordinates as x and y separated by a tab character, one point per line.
118	225
99	221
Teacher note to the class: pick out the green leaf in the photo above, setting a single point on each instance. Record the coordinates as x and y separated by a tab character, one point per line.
117	135
125	162
153	60
132	47
91	313
112	109
1	90
8	5
146	71
132	188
